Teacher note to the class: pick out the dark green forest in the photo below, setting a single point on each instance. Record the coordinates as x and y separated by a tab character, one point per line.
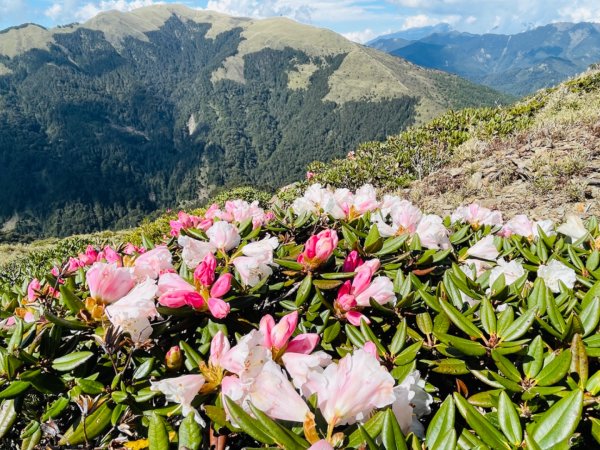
92	137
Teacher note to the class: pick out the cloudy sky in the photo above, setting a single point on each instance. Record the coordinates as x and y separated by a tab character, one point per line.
359	20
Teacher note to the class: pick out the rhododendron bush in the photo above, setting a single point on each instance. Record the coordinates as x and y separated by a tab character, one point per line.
344	321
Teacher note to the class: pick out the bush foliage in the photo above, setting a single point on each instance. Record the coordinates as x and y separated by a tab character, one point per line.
344	320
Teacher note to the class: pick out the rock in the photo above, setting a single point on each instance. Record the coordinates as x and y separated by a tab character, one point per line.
476	180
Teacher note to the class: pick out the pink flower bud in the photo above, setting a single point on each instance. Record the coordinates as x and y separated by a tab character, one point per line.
205	272
177	299
218	308
33	289
309	175
303	343
221	286
352	261
281	333
173	359
318	249
55	272
354	317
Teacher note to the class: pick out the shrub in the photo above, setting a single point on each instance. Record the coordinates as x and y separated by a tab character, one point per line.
343	318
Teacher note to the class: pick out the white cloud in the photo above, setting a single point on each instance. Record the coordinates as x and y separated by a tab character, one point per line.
423	20
361	36
256	8
580	14
73	10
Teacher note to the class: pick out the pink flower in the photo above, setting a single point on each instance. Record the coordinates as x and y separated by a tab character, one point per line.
221	286
110	255
170	281
218	308
223	236
365	200
310	175
371	349
89	257
277	336
205	272
352	261
321	445
178	299
348	391
74	264
432	233
55	272
108	282
219	346
153	263
33	290
262	250
240	211
301	365
247	358
318	249
251	270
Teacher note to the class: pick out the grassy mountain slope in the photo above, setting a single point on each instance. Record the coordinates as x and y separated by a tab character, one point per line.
518	64
104	122
539	157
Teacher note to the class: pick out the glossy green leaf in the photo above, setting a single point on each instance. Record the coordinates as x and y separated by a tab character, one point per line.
158	437
509	420
559	422
484	429
71	361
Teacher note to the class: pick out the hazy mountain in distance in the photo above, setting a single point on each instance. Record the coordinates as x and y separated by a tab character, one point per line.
106	121
518	64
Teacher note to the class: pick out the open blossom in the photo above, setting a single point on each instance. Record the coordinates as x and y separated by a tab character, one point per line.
348	391
300	365
181	390
153	263
133	312
270	391
484	249
262	250
412	402
365	200
110	255
521	225
240	211
512	271
223	236
108	282
432	233
277	336
556	272
476	215
194	251
573	228
251	270
405	217
318	200
247	357
171	281
185	221
318	249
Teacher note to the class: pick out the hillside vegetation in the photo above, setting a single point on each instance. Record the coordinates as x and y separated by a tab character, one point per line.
164	105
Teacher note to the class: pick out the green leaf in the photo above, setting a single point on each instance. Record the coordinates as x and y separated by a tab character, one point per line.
331	332
370	336
590	316
158	437
460	321
191	355
391	245
304	290
593	384
391	435
535	353
509	420
276	432
488	316
144	369
367	438
399	338
95	423
71	361
441	424
8	416
555	371
409	354
508	368
246	422
14	389
519	327
451	366
373	426
558	423
55	408
190	436
16	337
482	426
373	243
70	300
32	438
465	346
579	360
68	324
425	323
289	264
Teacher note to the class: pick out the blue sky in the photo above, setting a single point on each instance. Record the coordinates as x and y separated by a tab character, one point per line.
359	20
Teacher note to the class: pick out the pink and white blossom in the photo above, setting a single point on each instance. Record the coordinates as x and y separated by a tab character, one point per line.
194	251
153	263
223	236
573	228
108	282
484	249
555	273
476	215
181	390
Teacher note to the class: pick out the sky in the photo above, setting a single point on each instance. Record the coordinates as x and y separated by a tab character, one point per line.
358	20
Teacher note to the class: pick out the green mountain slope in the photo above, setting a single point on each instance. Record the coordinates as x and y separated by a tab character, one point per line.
104	122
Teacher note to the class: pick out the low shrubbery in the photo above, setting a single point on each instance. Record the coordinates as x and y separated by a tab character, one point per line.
344	320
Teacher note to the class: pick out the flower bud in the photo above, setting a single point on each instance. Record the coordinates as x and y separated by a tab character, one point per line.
173	358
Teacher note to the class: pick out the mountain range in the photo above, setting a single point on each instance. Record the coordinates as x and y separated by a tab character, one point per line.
128	113
518	64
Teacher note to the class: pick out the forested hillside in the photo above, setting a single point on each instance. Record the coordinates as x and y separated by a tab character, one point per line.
105	122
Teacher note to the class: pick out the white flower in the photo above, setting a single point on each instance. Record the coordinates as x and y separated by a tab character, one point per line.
299	365
484	249
247	358
181	390
554	272
512	271
412	402
152	263
432	233
262	250
573	228
194	250
251	270
223	235
476	215
547	227
133	312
